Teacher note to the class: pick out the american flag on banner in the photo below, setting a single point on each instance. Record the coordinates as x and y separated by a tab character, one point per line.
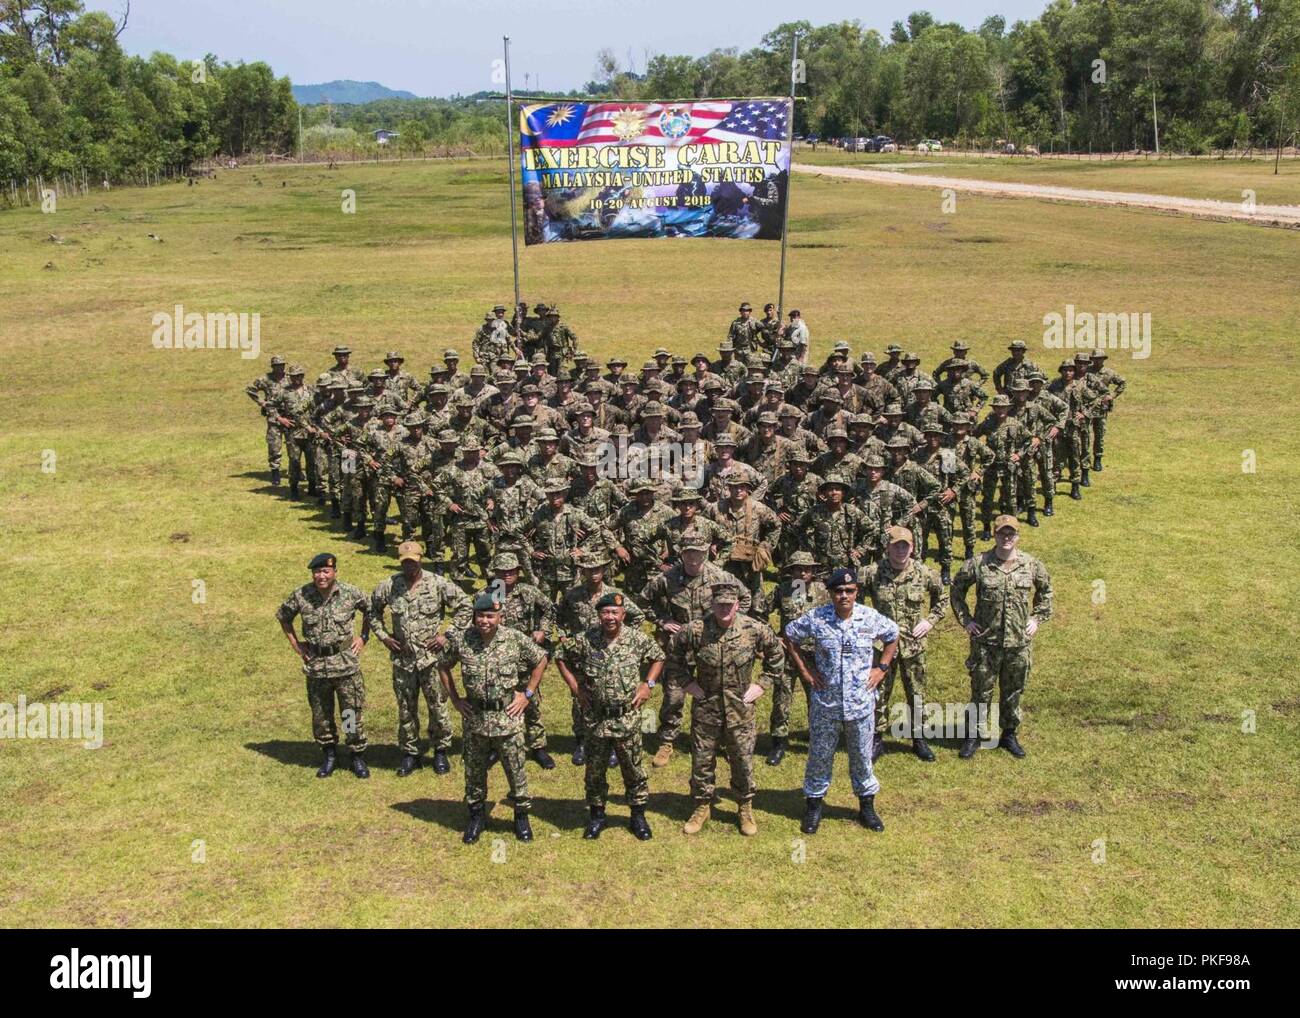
603	120
569	124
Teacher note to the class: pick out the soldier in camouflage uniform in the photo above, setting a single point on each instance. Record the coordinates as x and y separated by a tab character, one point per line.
1083	403
743	334
836	530
1009	440
397	382
418	602
975	457
790	498
713	661
411	470
1041	424
676	597
493	661
293	409
556	532
525	608
576	613
341	370
753	533
948	368
941	462
1013	596
639	528
515	497
691	524
798	592
356	475
265	391
329	423
1109	385
960	394
598	497
559	342
1015	366
383	444
330	658
904	589
464	492
611	669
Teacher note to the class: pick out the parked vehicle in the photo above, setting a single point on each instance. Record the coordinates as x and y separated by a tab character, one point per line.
929	145
884	143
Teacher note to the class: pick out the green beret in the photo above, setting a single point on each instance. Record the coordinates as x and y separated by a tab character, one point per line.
321	561
488	601
610	599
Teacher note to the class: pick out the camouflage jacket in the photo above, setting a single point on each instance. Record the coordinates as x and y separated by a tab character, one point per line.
894	504
513	506
602	501
753	521
609	671
527	609
492	673
721	661
945	466
1008	371
1011	436
676	532
907	597
793	497
417	615
1005	600
838	537
297	405
962	397
327	622
642	535
675	597
265	390
794	598
471	489
559	535
577	609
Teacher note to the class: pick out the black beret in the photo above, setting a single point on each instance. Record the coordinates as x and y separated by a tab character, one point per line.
488	601
610	600
321	561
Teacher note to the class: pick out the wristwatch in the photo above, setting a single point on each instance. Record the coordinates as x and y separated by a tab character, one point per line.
650	683
529	693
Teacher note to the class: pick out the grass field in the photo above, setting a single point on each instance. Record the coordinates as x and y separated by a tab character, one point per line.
1218	179
1135	710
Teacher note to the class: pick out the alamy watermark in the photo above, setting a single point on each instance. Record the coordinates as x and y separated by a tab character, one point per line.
1102	330
679	462
215	330
946	721
84	721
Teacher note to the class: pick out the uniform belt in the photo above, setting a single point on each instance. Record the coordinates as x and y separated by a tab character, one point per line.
602	712
481	704
327	649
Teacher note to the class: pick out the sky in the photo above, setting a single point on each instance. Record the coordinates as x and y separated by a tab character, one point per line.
441	48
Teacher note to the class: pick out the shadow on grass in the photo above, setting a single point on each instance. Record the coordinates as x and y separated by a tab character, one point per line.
308	754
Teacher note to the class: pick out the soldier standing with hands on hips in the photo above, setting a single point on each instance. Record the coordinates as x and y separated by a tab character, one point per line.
843	692
491	658
329	653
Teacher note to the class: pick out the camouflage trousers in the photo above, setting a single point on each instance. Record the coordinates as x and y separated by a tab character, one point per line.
711	729
534	729
670	713
1034	465
912	671
966	512
628	749
752	580
415	511
783	700
383	499
320	452
274	445
461	540
1078	450
351	693
553	582
335	472
511	750
299	450
824	728
1009	669
1099	434
359	495
939	523
1001	487
408	683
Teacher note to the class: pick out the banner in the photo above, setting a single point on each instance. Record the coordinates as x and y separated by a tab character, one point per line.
712	168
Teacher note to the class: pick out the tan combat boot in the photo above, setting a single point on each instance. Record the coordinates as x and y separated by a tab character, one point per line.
664	755
747	825
697	820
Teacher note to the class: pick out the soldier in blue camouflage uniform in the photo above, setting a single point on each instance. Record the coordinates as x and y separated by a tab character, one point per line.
330	658
493	661
611	669
418	602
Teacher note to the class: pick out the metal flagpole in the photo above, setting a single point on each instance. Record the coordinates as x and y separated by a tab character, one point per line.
789	177
510	159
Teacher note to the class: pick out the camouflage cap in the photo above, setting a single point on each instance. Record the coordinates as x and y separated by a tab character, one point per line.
563	375
962	419
740	480
296	369
616	362
810	369
582	407
1099	355
684	495
1036	376
504	378
342	351
653	409
830	396
498	307
504	561
1018	344
868	358
893	410
363	403
689	420
861	421
713	382
1019	385
276	359
581	357
556	486
593	558
540	309
834	478
338	383
522	421
787	410
695	543
776	385
935	427
726	346
844	369
798	455
438	389
911	356
898	442
378	375
546	435
386	408
841	346
746	306
801	560
470	443
679	361
1066	365
725	440
529	389
893	348
393	355
960	347
874	461
767	417
478	371
641	484
510	458
1006	521
725	593
1001	399
415	419
836	433
326	378
447	436
587	459
924	385
896	533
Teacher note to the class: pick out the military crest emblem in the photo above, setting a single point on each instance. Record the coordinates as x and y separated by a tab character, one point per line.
674	122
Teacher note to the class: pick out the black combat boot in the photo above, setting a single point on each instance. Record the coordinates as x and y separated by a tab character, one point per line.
968	747
1047	507
359	531
523	829
638	826
440	763
347	521
293	489
922	749
1096	463
543	759
945	573
334	507
777	753
596	824
1085	482
359	767
477	822
867	816
328	764
275	477
812	814
970	551
379	542
1075	493
1011	744
409	763
1032	518
579	756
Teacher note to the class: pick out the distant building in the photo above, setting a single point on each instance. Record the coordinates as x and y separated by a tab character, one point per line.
381	136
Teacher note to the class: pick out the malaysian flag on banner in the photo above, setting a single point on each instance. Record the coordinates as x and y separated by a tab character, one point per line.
716	167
